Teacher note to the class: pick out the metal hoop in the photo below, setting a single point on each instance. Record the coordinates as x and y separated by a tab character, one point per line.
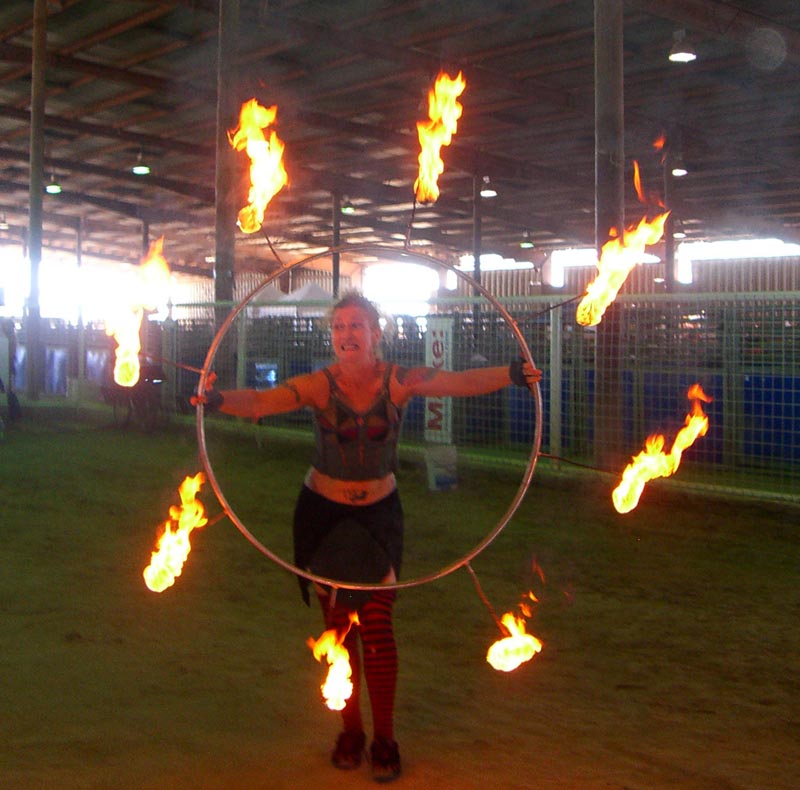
403	253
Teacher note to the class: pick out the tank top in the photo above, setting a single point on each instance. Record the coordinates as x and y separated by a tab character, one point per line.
352	445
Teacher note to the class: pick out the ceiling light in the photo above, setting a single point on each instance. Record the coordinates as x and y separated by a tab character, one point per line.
487	190
348	208
53	188
140	168
678	167
682	51
526	242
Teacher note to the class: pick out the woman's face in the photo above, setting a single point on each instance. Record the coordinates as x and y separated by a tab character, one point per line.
352	335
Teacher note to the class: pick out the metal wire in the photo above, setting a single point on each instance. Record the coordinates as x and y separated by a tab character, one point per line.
405	254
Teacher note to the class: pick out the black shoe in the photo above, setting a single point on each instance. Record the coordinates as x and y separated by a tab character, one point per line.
349	750
385	760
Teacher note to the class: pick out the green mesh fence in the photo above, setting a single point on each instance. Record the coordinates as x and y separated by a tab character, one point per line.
604	390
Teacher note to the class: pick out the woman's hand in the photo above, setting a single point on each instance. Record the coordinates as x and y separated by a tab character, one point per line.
523	374
212	400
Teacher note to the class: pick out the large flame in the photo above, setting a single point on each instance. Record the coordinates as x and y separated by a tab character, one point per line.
508	653
653	462
173	547
149	289
267	173
617	258
337	687
444	110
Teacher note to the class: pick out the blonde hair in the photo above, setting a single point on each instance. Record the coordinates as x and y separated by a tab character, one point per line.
357	299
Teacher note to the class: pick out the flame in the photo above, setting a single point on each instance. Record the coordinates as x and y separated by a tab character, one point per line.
660	144
149	289
267	173
173	547
518	647
637	182
652	462
444	110
617	259
618	256
338	687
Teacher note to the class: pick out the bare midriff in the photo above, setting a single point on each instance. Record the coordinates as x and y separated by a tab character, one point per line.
350	492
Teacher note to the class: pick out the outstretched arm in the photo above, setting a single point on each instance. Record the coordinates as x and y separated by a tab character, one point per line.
433	382
293	394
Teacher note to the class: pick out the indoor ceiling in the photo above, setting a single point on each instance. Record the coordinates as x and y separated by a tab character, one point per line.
350	80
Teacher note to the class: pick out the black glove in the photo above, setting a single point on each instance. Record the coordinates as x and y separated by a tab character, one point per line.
518	376
212	401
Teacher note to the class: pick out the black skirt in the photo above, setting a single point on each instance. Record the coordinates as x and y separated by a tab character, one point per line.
315	516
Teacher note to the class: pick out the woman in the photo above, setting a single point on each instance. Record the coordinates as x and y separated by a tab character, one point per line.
348	521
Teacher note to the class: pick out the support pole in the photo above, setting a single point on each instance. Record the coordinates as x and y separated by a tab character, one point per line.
609	212
556	372
226	177
477	243
81	327
669	229
336	221
143	333
34	378
226	182
477	228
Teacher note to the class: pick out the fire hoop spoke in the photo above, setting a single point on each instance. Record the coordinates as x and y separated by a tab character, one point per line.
206	378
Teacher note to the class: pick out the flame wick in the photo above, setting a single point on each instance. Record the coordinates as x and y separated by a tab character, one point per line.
148	290
173	547
444	110
506	654
618	256
653	462
267	173
338	687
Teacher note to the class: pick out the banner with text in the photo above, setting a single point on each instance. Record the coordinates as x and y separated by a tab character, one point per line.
439	354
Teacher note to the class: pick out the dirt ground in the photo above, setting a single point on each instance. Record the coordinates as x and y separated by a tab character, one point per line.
670	637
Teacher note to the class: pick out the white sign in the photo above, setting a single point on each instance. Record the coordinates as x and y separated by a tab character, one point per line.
439	355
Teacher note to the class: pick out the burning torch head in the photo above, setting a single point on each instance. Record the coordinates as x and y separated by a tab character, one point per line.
349	553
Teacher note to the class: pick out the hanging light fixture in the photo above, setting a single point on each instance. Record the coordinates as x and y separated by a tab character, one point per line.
140	167
682	51
678	169
348	208
526	242
53	188
487	190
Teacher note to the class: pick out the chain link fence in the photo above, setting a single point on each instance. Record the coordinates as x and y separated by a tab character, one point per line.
604	389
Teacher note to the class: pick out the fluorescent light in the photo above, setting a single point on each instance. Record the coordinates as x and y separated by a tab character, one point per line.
682	51
53	188
140	168
487	190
